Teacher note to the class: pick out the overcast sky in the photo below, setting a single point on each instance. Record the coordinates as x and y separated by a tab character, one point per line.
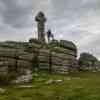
74	20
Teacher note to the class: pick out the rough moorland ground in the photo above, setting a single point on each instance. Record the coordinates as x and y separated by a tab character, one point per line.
77	86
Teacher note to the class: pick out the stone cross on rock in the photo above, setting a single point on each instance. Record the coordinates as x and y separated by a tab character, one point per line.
40	19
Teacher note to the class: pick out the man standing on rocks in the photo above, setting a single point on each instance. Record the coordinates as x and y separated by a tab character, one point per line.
50	35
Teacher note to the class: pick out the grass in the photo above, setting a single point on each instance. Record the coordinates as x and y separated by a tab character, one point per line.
76	86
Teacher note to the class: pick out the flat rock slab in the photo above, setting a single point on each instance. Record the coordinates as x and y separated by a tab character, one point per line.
24	86
53	81
2	90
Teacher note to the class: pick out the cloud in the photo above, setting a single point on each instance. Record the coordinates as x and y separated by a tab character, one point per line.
74	20
16	14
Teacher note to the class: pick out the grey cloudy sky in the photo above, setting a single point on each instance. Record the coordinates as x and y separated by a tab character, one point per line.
75	20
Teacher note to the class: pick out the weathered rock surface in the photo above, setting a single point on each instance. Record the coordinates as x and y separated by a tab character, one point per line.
21	57
26	77
62	56
53	81
2	90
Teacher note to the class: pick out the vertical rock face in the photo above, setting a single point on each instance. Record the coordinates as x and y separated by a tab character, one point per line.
43	59
63	55
14	59
23	58
59	63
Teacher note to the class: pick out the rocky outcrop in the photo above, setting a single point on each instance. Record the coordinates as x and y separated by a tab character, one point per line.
90	66
20	57
88	62
14	59
97	65
63	53
43	59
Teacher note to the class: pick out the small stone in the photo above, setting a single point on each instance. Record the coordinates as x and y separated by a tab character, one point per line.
58	81
24	86
54	81
2	90
49	82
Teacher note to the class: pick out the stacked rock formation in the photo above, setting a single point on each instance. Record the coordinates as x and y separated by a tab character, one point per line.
43	59
14	59
22	58
90	67
88	62
63	55
97	66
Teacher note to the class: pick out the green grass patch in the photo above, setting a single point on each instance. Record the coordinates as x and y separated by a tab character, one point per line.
75	86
